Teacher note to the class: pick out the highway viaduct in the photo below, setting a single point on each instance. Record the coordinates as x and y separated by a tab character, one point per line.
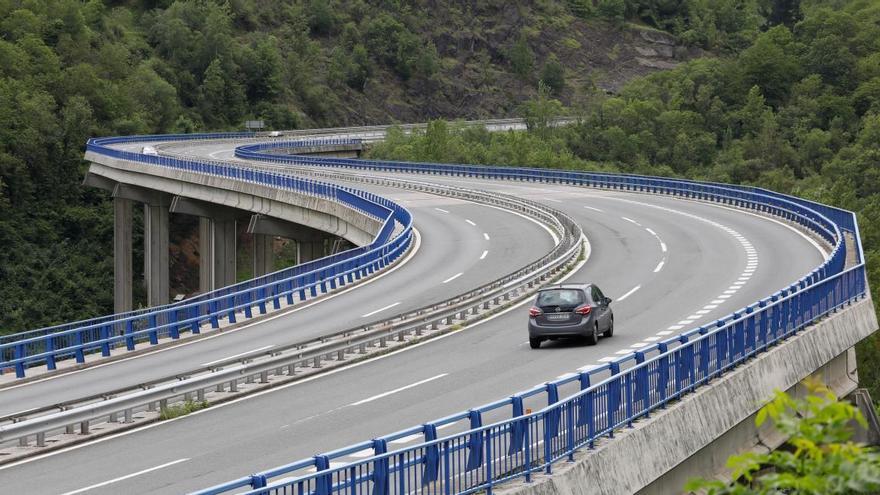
669	263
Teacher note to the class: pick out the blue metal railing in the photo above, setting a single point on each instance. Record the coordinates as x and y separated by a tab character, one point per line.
606	397
76	340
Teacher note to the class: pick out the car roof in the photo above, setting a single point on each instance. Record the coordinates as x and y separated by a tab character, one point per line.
566	286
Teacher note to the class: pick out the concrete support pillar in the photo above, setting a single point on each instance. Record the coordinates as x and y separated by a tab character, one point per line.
122	269
264	255
156	267
206	255
224	238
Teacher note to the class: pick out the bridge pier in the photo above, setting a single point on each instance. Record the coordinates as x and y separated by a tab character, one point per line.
264	255
122	264
156	267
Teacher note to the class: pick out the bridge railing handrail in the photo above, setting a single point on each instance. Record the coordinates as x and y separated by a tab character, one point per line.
681	362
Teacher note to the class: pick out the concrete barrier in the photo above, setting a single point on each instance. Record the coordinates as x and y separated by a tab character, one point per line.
694	436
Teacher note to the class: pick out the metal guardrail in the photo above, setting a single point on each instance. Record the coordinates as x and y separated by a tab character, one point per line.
611	395
236	301
282	362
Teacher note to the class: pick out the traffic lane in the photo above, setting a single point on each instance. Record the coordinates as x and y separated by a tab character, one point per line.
253	428
449	246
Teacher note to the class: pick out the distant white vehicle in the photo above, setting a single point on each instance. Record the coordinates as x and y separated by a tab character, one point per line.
149	150
274	133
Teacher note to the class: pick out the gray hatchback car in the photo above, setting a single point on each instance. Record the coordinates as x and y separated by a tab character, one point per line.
570	310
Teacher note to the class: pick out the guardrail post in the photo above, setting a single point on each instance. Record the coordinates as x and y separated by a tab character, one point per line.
261	294
153	332
475	441
642	390
50	348
231	315
721	346
380	468
248	310
173	329
751	338
704	354
323	483
105	340
553	417
129	340
569	430
194	315
613	397
431	456
258	481
79	354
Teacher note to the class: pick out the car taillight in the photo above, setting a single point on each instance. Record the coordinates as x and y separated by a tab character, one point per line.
533	311
583	310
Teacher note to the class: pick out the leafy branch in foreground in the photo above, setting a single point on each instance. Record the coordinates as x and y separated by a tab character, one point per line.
819	457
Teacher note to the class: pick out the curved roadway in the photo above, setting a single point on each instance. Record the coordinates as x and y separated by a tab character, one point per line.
669	264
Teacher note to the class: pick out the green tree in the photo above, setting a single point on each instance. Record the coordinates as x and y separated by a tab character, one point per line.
522	59
553	74
540	113
819	457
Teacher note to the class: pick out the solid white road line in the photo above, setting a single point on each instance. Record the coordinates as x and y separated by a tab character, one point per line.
371	313
450	279
659	266
470	222
441	210
607	359
485	236
127	476
651	232
483	256
401	389
621	298
239	354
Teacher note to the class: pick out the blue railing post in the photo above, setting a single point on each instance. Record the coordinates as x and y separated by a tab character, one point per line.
105	340
613	397
381	485
20	355
129	339
323	483
50	349
475	442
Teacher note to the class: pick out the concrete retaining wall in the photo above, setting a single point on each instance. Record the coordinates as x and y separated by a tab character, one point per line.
321	214
695	436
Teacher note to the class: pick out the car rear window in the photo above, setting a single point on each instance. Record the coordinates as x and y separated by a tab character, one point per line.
560	297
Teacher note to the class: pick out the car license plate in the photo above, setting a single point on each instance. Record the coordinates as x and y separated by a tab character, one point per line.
557	316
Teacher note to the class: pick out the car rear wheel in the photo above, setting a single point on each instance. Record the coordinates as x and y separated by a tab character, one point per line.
593	337
610	331
534	343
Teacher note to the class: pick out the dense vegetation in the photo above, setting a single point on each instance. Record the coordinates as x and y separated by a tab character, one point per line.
71	69
797	111
818	458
